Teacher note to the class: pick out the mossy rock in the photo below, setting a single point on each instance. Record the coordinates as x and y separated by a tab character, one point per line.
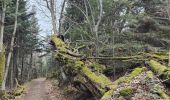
126	91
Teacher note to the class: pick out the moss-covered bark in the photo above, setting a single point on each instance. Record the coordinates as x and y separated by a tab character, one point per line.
138	78
90	74
94	79
161	70
125	79
161	92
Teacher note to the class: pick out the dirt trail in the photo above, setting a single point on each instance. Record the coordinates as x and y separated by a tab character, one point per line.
37	90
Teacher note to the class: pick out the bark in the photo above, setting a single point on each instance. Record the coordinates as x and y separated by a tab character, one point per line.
22	67
51	7
15	65
84	78
169	59
2	66
161	70
12	73
11	47
2	26
98	82
61	20
30	69
96	27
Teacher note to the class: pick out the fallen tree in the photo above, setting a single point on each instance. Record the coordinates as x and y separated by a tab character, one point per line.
143	85
95	82
81	72
161	70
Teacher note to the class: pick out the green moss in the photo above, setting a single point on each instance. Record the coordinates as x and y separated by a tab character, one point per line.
101	79
126	92
165	76
127	79
160	57
160	91
135	73
163	95
157	67
2	65
97	67
149	74
59	44
163	71
4	95
78	65
108	94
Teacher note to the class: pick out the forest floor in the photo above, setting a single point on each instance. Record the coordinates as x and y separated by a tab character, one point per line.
40	89
48	89
37	89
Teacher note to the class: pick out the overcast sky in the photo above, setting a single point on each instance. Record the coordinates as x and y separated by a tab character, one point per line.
43	15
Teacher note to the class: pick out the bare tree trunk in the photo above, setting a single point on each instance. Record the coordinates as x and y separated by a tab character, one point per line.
54	23
29	70
11	47
12	73
96	27
51	7
22	67
2	25
61	20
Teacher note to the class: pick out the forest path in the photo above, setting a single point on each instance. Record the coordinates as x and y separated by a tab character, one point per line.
37	90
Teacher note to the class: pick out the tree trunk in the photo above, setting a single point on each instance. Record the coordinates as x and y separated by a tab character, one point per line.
2	66
12	73
29	70
2	26
61	20
22	67
51	7
54	22
169	59
96	27
15	64
11	47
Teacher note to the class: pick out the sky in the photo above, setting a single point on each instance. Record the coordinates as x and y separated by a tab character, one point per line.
43	15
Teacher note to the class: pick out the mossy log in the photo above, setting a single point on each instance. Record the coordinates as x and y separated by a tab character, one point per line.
93	80
139	57
161	70
125	79
128	90
160	91
98	82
